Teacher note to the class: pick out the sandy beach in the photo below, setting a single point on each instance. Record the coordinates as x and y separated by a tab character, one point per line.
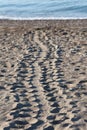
43	75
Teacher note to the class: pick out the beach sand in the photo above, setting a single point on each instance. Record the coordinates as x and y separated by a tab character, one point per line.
43	75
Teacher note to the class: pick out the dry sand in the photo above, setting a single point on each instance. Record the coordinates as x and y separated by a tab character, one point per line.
43	75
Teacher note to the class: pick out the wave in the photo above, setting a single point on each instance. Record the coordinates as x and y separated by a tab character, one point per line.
40	18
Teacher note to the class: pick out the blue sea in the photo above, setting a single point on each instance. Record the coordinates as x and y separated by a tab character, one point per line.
43	9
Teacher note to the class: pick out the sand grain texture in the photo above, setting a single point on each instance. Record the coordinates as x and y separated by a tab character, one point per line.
43	75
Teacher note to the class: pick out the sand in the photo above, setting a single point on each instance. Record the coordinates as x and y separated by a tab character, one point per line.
43	75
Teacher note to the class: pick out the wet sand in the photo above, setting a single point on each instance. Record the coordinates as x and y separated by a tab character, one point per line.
43	75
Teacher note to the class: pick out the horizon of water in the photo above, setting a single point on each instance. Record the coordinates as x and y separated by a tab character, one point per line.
46	9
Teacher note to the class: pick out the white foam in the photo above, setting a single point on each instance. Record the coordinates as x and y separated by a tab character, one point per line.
40	18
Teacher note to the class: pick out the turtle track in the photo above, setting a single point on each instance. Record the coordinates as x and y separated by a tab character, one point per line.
50	88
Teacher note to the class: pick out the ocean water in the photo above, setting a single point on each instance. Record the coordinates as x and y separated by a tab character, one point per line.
43	9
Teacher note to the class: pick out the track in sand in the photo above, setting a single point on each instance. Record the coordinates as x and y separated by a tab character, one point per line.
43	80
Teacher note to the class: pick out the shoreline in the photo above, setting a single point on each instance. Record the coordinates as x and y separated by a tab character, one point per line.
78	23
